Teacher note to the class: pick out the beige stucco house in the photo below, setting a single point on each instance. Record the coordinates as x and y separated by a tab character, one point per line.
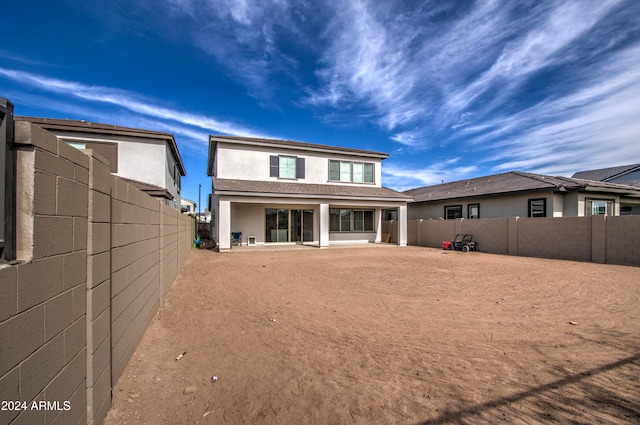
518	194
149	160
188	206
268	192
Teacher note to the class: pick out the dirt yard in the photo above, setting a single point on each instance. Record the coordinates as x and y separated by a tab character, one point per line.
388	335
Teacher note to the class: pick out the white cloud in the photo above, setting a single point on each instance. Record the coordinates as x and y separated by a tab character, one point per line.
539	48
402	177
596	126
127	100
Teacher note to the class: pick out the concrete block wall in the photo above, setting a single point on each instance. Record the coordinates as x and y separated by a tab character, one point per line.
99	278
493	232
43	297
169	257
86	283
135	274
433	232
412	232
614	240
622	239
567	238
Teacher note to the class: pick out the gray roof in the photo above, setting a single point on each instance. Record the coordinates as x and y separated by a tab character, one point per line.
148	188
510	182
604	174
270	188
92	127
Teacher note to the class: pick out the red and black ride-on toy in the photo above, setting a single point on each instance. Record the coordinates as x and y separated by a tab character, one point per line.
464	243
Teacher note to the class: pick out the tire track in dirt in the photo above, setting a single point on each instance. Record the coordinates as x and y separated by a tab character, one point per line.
388	336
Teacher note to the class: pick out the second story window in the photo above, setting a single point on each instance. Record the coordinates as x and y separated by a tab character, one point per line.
351	172
286	167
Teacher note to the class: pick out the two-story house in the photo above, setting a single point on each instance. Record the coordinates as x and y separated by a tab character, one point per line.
149	160
268	191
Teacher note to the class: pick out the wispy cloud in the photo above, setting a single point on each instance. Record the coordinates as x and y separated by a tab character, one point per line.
402	177
535	50
244	37
127	100
596	125
464	79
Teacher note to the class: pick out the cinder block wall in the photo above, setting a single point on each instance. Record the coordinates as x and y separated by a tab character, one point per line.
433	232
614	240
622	240
87	282
135	249
491	234
43	298
566	238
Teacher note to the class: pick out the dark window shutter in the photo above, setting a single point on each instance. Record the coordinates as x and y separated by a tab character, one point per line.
275	166
300	168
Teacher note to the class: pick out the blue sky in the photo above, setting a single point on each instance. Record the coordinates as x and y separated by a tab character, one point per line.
450	89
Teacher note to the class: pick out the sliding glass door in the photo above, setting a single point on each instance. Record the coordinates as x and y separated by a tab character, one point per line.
302	225
277	225
288	225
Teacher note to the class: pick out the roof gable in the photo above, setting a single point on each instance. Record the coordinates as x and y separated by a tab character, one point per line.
604	174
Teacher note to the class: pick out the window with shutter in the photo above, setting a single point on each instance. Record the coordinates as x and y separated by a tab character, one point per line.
286	167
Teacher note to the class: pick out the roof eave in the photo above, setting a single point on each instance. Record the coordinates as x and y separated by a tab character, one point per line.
270	143
83	126
213	145
307	196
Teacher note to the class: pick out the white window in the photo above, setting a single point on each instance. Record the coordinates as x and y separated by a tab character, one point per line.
473	211
358	172
352	172
287	167
346	220
599	207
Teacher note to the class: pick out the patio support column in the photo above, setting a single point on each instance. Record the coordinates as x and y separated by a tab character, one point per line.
377	221
324	225
224	225
402	225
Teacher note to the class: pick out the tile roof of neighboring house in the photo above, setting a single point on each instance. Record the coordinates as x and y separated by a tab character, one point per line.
513	181
92	127
289	144
604	174
269	188
150	189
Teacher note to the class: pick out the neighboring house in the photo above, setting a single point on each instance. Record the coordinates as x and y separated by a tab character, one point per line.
625	174
520	194
188	206
149	160
285	192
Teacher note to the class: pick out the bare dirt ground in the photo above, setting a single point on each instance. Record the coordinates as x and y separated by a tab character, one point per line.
388	336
